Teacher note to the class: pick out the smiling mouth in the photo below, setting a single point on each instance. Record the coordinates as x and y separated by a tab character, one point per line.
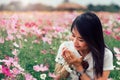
77	46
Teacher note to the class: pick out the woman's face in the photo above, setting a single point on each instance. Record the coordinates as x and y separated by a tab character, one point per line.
79	42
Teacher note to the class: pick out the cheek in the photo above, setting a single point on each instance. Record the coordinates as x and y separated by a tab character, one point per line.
71	38
83	45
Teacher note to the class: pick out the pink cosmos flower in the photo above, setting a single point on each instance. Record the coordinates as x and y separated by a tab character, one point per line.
118	56
2	40
40	68
49	22
36	68
16	58
117	51
10	37
6	71
107	32
58	29
15	71
23	30
3	22
43	68
30	24
118	17
116	30
15	52
36	41
43	51
29	77
48	40
7	62
52	75
27	24
117	38
19	36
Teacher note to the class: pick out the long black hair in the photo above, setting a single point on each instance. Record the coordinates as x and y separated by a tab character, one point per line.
90	28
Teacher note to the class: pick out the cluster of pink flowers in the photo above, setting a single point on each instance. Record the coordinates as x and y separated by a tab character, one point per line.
111	24
10	67
42	68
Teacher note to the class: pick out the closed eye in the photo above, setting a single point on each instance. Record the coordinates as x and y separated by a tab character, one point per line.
81	40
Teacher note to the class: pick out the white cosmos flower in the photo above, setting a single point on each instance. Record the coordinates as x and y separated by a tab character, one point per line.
16	45
116	50
25	40
117	68
118	63
43	76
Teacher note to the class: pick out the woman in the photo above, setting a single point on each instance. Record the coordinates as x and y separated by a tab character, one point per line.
88	58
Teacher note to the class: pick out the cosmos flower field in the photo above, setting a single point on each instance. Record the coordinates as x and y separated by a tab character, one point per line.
29	42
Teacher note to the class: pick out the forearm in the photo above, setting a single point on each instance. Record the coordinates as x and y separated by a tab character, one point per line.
60	72
84	76
61	76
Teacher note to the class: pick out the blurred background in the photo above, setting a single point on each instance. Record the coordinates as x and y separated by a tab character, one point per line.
57	5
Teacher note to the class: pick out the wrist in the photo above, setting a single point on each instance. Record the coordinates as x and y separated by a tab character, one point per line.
79	68
80	73
78	63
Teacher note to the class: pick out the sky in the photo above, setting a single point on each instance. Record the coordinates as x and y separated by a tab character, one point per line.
55	3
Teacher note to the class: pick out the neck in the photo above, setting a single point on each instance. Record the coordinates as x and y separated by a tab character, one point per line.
84	52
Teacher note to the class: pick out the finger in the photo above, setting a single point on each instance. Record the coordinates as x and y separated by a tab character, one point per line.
71	61
64	54
63	48
66	57
63	51
71	55
68	54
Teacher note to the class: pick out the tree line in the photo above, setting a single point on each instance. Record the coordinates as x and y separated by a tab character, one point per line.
109	8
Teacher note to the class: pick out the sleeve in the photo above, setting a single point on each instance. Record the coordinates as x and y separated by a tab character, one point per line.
108	60
59	58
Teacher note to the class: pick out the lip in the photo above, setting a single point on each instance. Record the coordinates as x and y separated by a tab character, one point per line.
77	46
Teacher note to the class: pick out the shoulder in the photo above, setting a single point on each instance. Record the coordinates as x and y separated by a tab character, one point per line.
108	53
108	59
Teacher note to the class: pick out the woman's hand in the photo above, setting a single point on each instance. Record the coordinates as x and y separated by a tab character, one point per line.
70	58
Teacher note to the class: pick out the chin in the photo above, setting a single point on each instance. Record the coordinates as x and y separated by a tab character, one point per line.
77	48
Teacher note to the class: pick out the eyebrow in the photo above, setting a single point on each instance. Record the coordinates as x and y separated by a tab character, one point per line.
78	37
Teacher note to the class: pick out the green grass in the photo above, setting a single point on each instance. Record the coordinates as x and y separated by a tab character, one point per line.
33	56
111	42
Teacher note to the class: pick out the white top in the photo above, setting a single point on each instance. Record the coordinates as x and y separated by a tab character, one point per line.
108	60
